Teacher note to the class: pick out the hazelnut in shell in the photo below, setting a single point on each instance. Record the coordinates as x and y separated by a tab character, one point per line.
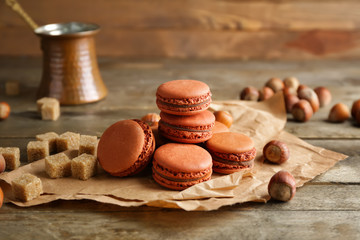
310	95
265	93
4	110
152	119
301	87
282	186
276	152
291	83
249	94
302	111
276	84
324	96
290	101
1	197
339	113
224	117
355	108
2	163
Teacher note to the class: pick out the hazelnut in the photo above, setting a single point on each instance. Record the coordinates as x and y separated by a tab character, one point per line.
1	197
288	90
355	108
2	163
282	186
276	152
4	110
276	84
265	93
152	119
249	94
292	83
302	111
339	113
357	117
324	96
290	101
224	117
301	87
309	95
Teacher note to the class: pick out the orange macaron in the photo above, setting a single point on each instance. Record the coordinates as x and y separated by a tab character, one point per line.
126	147
183	97
231	152
179	166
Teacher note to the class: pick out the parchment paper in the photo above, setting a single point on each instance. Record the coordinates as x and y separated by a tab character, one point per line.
262	121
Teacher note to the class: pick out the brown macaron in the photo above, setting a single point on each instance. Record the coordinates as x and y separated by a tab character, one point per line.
126	147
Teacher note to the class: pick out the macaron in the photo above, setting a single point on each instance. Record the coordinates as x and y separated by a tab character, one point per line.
126	147
231	152
188	128
183	97
220	127
179	166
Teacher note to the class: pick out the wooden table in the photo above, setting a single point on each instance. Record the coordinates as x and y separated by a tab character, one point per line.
326	207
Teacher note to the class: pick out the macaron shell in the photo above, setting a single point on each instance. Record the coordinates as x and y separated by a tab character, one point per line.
200	120
220	127
120	146
186	158
182	89
178	185
230	142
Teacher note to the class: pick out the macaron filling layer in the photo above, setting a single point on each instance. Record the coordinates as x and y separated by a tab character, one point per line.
145	156
235	163
188	134
196	100
178	185
206	128
179	176
240	157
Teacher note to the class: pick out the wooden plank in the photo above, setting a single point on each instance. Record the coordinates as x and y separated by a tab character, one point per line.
172	225
195	15
314	44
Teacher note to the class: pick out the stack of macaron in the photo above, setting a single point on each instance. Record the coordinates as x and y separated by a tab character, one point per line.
184	116
127	147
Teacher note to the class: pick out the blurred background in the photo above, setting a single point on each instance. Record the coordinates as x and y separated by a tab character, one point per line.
198	29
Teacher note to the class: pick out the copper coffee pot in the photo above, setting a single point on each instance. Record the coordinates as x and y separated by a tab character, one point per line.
70	69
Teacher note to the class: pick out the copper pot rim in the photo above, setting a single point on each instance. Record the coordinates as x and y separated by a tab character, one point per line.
67	29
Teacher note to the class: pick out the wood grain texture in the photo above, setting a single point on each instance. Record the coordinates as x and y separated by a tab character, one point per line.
326	207
199	29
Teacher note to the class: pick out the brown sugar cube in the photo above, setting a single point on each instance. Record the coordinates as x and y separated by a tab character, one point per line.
37	150
50	137
84	166
50	111
27	187
12	157
68	140
40	102
58	165
88	144
12	88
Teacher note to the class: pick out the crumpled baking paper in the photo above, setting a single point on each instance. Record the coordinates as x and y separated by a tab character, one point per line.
262	121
